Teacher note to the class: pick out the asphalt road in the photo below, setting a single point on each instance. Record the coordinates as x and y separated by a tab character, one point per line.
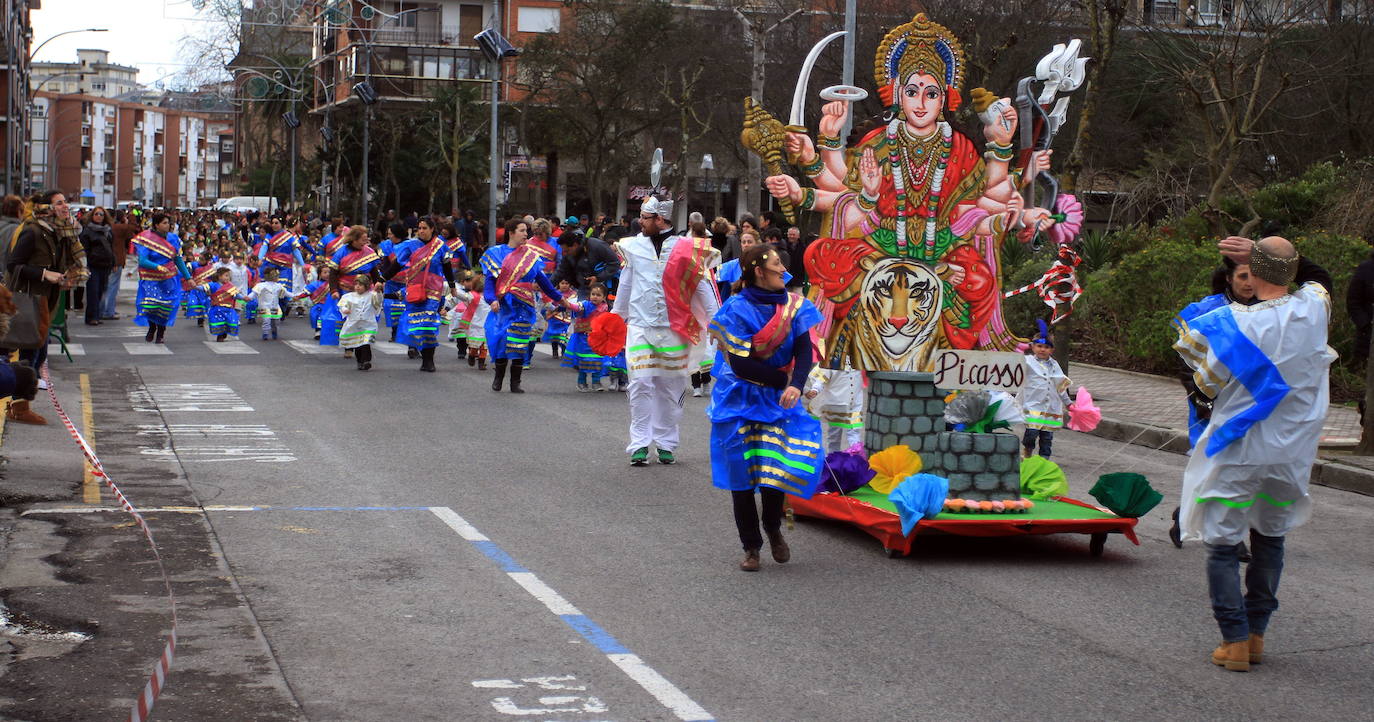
408	546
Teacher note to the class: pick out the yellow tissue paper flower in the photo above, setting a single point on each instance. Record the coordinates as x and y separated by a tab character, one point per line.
892	465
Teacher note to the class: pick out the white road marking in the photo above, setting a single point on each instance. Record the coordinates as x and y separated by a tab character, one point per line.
205	430
667	694
230	347
187	397
147	349
314	349
496	684
458	524
664	691
544	593
389	348
216	454
74	349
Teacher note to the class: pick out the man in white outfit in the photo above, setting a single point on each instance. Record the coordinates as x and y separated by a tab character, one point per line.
666	296
1265	367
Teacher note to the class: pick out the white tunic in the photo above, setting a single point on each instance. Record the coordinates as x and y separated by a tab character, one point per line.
1259	481
359	311
652	348
1044	395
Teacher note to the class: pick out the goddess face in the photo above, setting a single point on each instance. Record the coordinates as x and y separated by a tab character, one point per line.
921	97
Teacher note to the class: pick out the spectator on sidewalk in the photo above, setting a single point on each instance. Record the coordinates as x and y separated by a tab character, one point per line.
1359	304
98	240
124	229
11	213
17	381
1266	370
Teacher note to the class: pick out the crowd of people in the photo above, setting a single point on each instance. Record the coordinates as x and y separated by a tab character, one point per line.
717	302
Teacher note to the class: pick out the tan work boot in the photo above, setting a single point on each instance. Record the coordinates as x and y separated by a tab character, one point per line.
1234	656
1256	648
751	561
21	413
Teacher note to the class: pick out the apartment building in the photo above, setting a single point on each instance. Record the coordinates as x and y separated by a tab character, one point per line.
16	36
102	151
91	74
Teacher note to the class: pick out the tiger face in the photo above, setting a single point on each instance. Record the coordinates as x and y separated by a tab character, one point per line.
898	313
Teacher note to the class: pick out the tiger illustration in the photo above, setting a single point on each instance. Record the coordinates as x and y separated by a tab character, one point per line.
895	322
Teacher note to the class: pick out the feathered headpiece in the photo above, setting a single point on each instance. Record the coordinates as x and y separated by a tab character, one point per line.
1043	337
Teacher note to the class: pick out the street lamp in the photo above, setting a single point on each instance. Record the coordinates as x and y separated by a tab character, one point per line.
17	134
496	48
34	52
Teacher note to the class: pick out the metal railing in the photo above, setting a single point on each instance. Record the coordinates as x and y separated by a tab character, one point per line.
421	35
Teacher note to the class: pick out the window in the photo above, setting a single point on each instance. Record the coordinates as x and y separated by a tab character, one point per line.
538	20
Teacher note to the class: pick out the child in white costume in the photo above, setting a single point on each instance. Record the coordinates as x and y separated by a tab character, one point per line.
836	397
1044	396
269	294
359	310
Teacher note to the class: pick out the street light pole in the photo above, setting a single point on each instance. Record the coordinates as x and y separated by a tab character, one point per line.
494	167
19	133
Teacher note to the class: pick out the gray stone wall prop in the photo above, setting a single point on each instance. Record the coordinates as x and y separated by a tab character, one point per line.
906	408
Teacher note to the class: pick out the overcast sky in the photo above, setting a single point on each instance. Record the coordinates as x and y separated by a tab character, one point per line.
143	33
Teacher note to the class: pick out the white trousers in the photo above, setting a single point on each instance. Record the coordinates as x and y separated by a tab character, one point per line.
655	410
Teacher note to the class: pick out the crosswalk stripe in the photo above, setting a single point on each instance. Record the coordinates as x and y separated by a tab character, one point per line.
389	348
74	349
312	348
147	349
230	347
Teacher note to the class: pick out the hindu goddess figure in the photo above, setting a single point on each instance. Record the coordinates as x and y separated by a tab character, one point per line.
914	214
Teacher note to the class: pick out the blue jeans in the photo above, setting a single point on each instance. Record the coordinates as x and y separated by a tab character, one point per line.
1238	616
107	304
1046	438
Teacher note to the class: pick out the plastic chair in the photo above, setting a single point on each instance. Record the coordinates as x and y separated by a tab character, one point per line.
57	328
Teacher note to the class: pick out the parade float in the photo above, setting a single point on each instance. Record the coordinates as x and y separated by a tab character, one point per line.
906	271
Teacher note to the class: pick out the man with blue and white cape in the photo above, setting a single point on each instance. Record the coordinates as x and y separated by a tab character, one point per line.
1265	367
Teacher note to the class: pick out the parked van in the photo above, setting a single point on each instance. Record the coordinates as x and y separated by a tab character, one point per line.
265	204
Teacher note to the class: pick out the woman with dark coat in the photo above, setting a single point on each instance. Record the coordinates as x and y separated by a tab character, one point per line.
98	239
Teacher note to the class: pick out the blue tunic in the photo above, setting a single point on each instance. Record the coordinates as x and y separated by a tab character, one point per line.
419	324
157	301
579	354
223	319
511	329
754	440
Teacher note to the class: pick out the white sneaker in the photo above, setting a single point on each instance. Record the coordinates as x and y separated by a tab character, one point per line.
696	392
43	385
582	389
598	386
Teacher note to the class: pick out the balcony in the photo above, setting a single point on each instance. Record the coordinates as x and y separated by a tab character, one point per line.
424	35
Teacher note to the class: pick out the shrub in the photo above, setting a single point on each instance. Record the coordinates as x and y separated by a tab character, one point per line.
1339	255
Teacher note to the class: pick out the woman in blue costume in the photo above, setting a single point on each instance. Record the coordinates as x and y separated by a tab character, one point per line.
512	271
422	264
393	303
160	273
353	259
761	438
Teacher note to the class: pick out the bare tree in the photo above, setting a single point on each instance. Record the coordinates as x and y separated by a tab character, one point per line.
1231	80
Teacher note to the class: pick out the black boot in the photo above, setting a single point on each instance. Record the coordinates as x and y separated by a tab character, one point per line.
462	345
152	331
500	374
200	323
412	352
161	329
427	359
393	334
516	369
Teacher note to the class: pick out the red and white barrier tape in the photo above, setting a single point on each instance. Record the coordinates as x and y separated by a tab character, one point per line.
143	706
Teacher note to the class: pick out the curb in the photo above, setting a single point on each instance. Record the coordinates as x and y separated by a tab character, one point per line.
1325	472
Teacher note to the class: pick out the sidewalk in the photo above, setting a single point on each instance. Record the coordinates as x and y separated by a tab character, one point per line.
1151	411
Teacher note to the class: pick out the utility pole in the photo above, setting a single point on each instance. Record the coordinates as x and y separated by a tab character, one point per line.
494	168
756	35
847	71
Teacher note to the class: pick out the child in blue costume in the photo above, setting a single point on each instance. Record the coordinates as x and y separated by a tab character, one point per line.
224	297
590	365
393	290
761	437
556	335
197	301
